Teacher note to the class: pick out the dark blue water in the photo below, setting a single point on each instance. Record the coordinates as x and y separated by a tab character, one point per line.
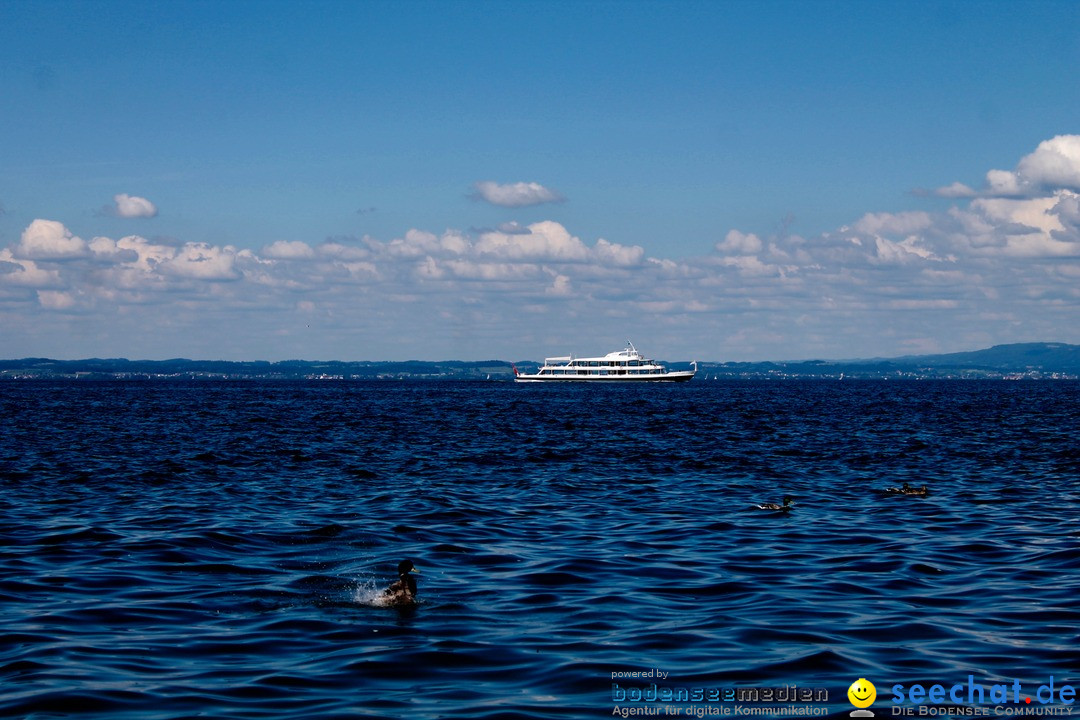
213	550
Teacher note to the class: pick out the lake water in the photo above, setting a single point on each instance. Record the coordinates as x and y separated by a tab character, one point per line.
181	550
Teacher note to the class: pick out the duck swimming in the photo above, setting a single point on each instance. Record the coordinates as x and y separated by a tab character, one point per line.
773	506
403	592
906	489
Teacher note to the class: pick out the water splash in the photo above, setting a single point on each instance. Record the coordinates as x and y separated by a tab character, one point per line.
369	592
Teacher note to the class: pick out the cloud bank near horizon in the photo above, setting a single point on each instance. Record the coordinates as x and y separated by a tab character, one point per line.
1000	264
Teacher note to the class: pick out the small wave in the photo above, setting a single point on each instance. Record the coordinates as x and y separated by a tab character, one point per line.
553	579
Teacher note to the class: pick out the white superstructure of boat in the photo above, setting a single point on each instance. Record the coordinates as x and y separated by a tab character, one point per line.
626	365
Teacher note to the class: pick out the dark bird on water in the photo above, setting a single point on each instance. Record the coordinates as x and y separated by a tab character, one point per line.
773	506
403	592
906	489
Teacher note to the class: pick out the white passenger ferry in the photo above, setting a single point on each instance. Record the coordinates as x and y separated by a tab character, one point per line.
621	366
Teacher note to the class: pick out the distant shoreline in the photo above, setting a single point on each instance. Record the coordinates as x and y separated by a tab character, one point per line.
1038	361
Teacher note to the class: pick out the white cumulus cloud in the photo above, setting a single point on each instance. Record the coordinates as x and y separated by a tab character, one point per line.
609	253
288	250
739	243
203	261
1053	166
521	194
956	190
21	272
55	299
544	241
131	206
49	240
893	223
907	250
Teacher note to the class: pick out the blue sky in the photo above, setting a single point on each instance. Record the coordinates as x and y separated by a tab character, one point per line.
363	180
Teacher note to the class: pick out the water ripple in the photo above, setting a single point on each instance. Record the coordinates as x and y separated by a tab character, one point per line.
216	549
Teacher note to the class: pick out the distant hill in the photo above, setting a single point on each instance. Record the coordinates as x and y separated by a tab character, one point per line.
1021	360
1024	360
1057	357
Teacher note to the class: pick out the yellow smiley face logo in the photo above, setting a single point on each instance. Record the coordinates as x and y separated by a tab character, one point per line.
862	693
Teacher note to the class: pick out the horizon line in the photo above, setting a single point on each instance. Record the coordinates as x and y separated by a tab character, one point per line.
1049	344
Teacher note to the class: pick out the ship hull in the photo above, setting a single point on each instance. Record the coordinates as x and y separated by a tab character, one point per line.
677	376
